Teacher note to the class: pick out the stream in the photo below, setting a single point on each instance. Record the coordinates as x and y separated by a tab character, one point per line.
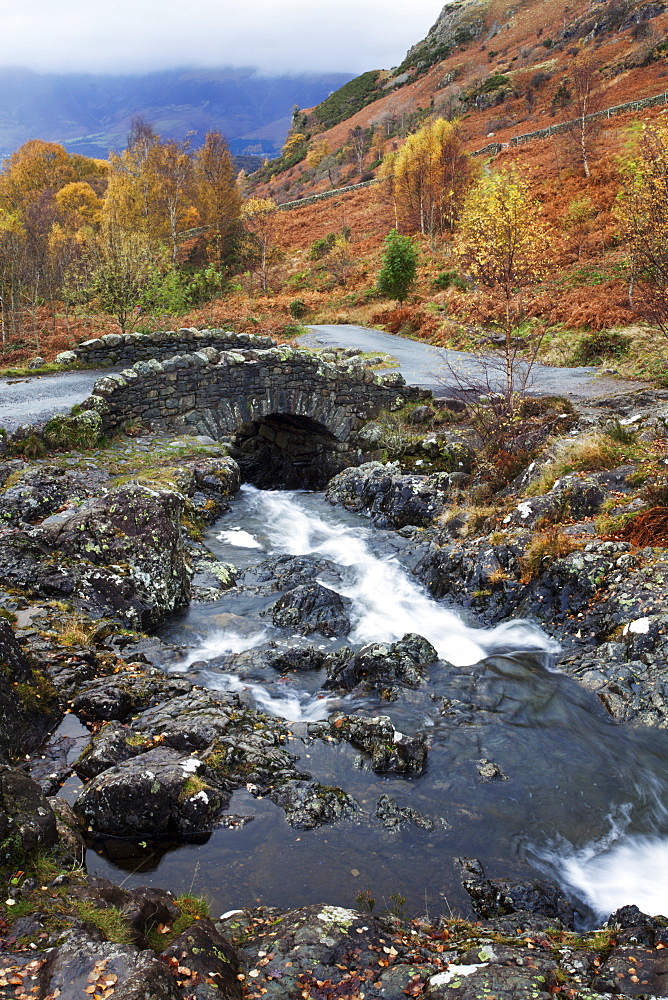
573	795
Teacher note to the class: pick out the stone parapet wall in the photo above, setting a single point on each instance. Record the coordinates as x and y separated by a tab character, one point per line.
217	392
116	348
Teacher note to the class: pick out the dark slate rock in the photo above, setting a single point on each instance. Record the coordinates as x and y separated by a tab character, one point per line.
82	958
383	668
492	897
638	928
312	608
109	747
308	804
212	962
390	751
40	492
309	945
634	971
420	415
189	722
120	555
301	658
24	718
158	793
143	907
287	572
391	498
394	817
498	981
26	818
122	695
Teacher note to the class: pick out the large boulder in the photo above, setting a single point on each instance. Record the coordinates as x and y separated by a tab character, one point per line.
158	793
292	952
393	499
312	608
26	818
35	493
383	668
27	701
120	555
206	961
82	958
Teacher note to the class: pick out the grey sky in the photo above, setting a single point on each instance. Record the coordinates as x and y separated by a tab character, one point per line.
274	35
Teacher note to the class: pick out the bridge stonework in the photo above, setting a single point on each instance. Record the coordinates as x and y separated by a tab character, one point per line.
119	348
292	419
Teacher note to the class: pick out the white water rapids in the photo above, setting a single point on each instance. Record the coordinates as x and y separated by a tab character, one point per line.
628	865
386	602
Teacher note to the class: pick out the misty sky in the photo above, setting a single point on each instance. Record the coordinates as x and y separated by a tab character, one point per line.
274	35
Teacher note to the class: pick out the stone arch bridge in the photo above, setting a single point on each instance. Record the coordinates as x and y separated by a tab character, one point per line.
292	420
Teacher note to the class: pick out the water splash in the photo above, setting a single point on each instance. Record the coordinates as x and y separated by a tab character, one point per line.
634	869
223	641
290	704
239	538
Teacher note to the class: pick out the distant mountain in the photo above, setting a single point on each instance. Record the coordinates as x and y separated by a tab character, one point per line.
91	114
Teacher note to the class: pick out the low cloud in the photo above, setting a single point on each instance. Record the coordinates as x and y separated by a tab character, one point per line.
276	36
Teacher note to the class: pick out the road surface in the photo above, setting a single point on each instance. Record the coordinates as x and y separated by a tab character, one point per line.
435	368
35	399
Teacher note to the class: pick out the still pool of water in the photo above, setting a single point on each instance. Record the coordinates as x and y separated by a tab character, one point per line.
576	796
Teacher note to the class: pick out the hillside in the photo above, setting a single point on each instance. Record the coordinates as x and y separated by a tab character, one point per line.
502	73
503	70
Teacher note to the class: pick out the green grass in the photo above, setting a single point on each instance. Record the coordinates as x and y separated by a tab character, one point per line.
50	368
193	908
593	453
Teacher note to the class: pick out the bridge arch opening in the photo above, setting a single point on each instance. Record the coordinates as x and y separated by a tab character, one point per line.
288	451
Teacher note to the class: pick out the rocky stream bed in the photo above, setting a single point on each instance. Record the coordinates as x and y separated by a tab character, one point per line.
407	739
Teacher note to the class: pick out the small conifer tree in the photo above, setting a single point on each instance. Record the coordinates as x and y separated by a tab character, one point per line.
399	269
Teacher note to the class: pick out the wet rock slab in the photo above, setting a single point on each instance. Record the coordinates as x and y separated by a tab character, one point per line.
312	608
382	668
158	793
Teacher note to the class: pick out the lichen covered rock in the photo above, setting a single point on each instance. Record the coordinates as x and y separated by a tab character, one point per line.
121	555
159	793
312	608
390	497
